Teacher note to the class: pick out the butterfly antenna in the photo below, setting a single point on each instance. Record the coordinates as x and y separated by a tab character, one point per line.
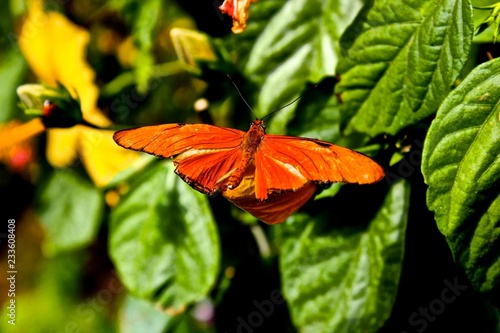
242	98
287	104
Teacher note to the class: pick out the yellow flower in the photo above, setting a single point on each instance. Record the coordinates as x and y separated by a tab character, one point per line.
100	155
55	49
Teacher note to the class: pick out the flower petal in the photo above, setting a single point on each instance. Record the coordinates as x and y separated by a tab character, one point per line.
61	146
102	157
238	10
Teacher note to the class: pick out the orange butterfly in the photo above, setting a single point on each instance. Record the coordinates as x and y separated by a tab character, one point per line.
279	173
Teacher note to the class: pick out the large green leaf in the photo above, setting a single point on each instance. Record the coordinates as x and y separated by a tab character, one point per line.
345	279
403	62
461	165
298	45
163	239
70	210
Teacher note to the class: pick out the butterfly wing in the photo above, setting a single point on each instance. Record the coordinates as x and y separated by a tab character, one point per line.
170	140
204	155
278	206
285	163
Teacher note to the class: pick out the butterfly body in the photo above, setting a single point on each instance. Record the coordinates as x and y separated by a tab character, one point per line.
250	143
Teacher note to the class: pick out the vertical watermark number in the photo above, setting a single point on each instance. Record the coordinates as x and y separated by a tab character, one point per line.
11	270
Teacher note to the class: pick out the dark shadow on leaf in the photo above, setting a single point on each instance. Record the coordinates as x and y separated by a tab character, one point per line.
353	206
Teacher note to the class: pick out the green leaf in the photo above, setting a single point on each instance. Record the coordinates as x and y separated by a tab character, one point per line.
164	241
344	278
299	44
461	165
138	315
403	62
12	70
483	34
70	209
493	19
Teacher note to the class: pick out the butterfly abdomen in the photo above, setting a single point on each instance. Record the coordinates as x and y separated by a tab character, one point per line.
237	176
249	146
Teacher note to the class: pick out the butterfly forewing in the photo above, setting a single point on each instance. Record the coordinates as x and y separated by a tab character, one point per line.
205	153
308	159
172	139
275	175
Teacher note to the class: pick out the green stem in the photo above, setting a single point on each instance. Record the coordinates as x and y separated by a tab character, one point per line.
486	7
261	240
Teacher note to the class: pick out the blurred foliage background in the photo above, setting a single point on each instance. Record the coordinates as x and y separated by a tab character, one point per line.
109	240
